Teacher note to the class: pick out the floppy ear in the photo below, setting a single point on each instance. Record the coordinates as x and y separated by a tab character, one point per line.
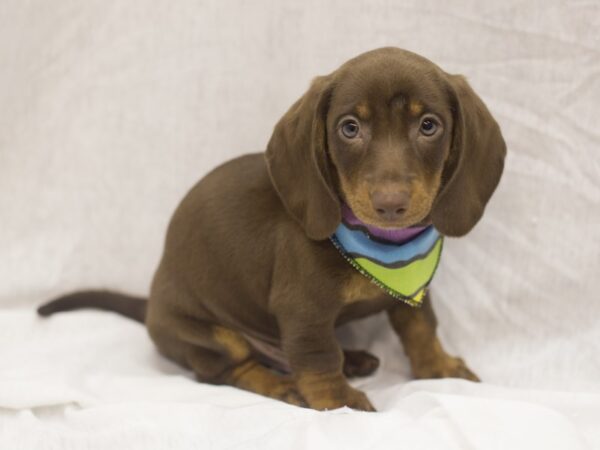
297	163
474	165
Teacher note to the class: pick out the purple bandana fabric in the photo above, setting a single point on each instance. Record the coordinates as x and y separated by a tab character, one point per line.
397	236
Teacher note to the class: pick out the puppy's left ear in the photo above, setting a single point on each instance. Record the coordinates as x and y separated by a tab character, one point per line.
297	162
474	165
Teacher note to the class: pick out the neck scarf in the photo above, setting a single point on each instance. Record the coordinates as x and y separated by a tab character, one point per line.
401	262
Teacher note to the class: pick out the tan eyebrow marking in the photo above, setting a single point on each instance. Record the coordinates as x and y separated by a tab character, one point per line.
363	111
415	107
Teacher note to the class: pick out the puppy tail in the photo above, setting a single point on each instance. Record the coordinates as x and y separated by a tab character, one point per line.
126	305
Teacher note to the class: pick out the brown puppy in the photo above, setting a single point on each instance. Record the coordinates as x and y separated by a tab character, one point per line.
249	279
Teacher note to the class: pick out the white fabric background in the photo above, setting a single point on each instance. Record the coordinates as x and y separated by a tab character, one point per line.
110	110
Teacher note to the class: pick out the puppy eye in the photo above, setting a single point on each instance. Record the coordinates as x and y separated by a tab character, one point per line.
428	127
350	129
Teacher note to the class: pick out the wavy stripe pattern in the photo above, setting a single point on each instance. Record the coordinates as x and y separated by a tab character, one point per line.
404	271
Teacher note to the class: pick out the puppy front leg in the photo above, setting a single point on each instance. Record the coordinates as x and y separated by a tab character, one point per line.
416	328
316	360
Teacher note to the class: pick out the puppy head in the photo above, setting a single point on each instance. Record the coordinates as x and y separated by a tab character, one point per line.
393	136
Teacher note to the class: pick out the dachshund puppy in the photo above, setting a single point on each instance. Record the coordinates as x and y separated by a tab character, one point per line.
252	284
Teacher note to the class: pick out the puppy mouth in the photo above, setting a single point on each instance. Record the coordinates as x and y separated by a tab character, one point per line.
407	220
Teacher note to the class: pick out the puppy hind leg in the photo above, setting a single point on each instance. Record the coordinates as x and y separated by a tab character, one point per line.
249	375
359	363
219	355
253	376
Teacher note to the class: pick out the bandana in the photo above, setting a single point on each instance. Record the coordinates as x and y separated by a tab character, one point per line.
401	262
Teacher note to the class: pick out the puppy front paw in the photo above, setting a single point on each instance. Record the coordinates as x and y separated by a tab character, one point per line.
332	391
288	392
352	398
445	366
358	400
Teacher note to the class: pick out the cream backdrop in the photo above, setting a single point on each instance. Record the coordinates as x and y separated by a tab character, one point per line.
110	110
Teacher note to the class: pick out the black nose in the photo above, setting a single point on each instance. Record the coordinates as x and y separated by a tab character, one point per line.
390	205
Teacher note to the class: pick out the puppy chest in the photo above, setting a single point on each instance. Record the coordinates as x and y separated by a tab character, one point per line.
358	288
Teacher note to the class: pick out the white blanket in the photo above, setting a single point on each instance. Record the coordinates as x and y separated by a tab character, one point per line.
111	110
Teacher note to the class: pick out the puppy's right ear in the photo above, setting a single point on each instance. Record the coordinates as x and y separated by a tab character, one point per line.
297	162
